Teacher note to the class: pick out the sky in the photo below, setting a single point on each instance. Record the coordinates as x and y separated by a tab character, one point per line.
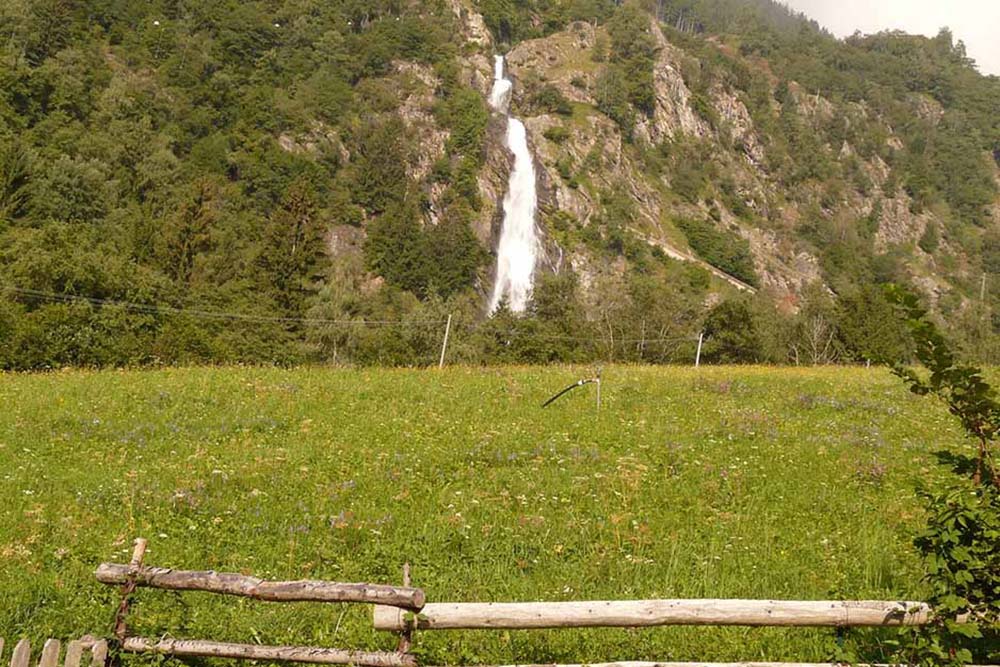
975	22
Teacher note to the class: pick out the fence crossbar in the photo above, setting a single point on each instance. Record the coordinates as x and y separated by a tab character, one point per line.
640	663
307	590
645	613
304	654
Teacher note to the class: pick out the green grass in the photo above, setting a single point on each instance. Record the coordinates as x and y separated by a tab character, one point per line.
728	482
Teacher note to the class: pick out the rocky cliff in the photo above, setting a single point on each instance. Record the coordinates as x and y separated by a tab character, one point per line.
584	157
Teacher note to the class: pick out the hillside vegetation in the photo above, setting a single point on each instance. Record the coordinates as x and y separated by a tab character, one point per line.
320	181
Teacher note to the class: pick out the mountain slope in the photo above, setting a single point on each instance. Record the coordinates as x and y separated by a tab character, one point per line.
290	181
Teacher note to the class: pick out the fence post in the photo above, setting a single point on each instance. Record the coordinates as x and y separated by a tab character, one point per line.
444	344
406	636
22	654
697	356
74	653
127	589
50	653
599	370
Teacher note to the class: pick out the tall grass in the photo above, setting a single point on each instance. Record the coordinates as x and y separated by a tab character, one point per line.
723	482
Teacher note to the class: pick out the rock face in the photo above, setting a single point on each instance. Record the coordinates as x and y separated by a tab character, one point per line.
493	183
596	137
563	60
591	143
477	66
673	114
417	112
783	269
734	114
471	24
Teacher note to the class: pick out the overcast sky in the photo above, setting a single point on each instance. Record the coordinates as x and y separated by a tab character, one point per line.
975	22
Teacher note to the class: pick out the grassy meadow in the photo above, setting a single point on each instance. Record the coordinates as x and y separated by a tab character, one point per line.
721	482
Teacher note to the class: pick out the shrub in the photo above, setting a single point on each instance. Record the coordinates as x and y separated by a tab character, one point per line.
556	134
722	249
549	99
930	238
565	167
959	544
731	334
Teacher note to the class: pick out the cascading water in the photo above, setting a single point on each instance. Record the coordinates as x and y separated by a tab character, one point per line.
519	246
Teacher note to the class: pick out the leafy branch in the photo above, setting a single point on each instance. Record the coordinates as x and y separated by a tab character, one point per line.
962	387
961	542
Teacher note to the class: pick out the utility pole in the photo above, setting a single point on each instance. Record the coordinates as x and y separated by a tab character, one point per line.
444	344
697	356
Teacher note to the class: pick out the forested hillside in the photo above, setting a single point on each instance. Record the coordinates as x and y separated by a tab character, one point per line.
293	180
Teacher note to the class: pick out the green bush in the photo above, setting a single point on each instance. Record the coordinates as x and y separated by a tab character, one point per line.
930	239
731	334
465	113
722	249
959	543
556	134
549	99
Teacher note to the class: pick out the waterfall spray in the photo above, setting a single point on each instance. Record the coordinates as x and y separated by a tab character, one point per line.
518	249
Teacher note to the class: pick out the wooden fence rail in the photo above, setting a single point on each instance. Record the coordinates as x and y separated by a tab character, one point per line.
645	613
84	652
306	654
639	663
259	589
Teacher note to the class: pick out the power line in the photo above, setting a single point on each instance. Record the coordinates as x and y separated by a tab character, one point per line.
598	339
152	309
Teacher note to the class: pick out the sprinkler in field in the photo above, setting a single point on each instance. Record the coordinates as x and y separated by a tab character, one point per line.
579	383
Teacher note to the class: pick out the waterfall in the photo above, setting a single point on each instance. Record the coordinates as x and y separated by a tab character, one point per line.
500	95
518	248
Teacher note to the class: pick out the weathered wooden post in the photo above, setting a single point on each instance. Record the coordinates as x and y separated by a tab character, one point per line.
22	654
138	553
50	653
406	636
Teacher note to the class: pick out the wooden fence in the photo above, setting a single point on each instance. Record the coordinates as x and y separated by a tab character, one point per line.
83	652
404	610
134	575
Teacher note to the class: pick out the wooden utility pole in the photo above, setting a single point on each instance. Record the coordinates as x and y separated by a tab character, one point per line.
444	344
